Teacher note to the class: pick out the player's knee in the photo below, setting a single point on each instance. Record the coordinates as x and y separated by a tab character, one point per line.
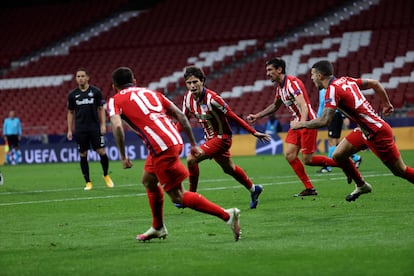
228	169
307	159
150	184
290	157
339	158
397	171
176	200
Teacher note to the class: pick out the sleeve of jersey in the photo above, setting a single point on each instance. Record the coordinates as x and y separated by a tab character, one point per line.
240	121
112	108
330	98
357	80
100	100
70	104
295	85
166	104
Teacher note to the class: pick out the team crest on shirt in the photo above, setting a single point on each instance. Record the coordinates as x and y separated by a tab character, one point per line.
204	107
90	94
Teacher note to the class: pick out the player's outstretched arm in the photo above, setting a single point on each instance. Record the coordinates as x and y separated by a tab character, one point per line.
319	122
119	134
262	136
387	107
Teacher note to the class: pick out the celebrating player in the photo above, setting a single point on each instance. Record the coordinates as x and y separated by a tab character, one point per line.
292	93
345	94
148	114
334	131
213	114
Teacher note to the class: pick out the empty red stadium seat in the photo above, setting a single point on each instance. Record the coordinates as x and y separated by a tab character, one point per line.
157	43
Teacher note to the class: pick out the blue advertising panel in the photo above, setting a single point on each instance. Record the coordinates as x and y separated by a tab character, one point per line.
135	149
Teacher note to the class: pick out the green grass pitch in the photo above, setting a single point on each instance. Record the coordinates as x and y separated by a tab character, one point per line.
50	226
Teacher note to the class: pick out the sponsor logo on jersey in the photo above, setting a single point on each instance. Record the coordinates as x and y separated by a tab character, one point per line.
85	101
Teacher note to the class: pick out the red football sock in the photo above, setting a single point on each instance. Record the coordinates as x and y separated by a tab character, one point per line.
242	177
194	173
352	172
322	161
199	203
156	202
299	169
409	174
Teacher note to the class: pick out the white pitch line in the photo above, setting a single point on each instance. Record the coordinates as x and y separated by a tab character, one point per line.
331	176
126	185
127	195
68	199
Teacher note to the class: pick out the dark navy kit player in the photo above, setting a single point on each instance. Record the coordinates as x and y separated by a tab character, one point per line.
86	114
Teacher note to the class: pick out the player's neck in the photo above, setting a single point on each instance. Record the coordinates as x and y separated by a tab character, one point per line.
83	88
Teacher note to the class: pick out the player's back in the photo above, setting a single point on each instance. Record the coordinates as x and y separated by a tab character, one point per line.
345	94
144	111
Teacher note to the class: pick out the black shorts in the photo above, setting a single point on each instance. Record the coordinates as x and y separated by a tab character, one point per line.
335	127
13	141
88	139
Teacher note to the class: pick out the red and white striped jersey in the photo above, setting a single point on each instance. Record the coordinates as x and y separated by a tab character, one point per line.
344	94
211	112
144	111
290	88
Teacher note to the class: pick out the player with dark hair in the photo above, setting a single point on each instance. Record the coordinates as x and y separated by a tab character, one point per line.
213	115
149	114
345	94
291	92
85	109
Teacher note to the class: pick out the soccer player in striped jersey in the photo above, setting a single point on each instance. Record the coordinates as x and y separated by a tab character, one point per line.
213	115
291	92
334	132
149	114
344	94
